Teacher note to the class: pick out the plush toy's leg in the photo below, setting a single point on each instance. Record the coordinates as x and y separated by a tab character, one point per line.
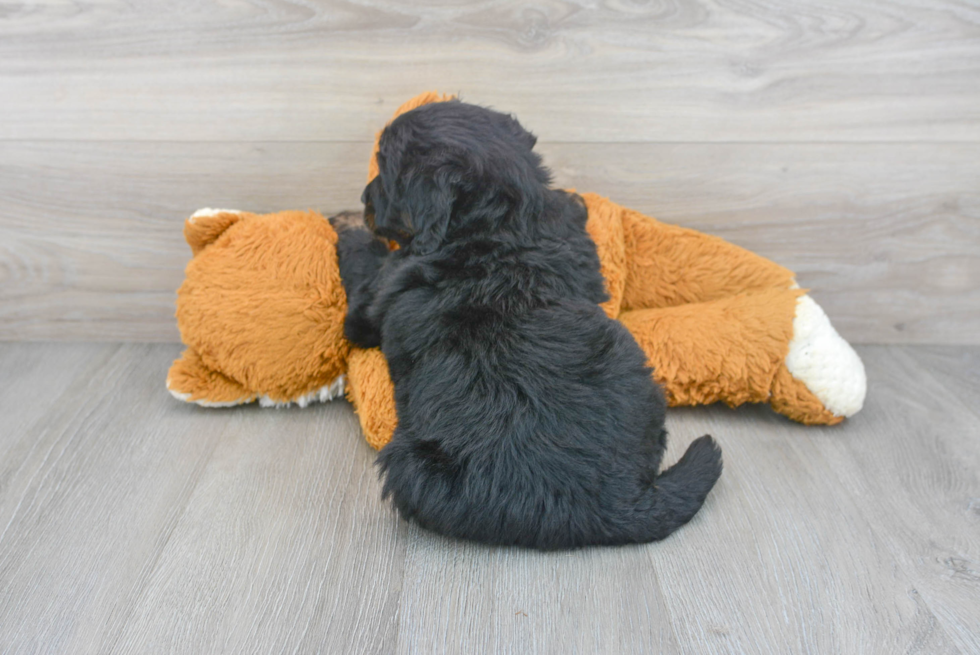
732	350
756	347
720	323
725	350
372	393
190	380
666	265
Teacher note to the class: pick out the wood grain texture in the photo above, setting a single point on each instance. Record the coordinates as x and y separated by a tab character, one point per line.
886	235
623	71
837	138
468	598
119	491
789	533
93	491
27	387
921	494
91	235
285	546
957	369
131	523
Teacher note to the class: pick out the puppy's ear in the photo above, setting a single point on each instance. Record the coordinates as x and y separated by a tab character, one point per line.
380	214
430	208
521	136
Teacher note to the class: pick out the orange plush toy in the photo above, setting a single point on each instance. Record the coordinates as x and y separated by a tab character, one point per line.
262	309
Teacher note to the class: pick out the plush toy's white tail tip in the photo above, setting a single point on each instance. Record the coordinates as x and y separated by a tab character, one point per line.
824	361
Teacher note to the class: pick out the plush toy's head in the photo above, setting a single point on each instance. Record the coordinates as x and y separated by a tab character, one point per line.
261	311
262	308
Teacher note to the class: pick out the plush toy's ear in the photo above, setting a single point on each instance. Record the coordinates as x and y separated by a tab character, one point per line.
206	225
417	101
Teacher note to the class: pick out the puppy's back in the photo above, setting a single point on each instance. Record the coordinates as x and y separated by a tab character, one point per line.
549	436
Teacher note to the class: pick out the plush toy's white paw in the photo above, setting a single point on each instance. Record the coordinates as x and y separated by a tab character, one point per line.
208	211
325	393
824	362
186	397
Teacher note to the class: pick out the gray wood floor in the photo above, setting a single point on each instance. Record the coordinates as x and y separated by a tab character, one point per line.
131	523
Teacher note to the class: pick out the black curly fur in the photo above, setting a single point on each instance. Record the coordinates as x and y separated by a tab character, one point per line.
525	415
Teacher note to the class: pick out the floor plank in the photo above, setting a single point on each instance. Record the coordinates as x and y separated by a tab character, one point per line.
957	369
28	387
134	523
285	546
129	501
919	482
97	486
692	70
467	598
820	578
886	235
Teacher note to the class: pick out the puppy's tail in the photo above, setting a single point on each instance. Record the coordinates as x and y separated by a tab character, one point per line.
679	492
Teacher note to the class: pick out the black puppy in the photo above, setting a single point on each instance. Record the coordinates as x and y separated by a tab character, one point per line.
525	415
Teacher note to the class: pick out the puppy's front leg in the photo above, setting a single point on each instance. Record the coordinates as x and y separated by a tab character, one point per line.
360	256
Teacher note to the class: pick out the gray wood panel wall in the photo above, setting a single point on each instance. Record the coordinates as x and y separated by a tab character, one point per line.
839	138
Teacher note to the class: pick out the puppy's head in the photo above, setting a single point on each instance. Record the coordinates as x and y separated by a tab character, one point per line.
451	169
